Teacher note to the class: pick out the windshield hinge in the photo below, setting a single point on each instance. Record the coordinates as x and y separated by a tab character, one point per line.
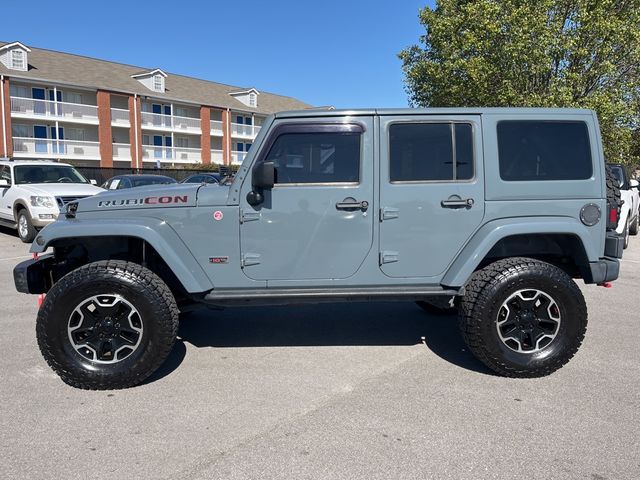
249	216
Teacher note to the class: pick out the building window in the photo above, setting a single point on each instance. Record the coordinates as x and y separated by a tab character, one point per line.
253	100
20	131
158	83
72	97
18	60
76	134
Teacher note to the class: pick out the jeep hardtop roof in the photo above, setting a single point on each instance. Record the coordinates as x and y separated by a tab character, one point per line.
433	111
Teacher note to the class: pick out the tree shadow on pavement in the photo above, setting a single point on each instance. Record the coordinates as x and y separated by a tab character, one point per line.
339	324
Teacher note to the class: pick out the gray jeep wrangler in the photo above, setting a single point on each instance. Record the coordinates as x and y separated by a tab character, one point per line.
492	212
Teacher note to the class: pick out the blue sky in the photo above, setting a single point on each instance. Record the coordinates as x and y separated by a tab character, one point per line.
331	52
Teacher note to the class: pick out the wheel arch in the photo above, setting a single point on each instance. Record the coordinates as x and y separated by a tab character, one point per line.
563	242
142	240
17	206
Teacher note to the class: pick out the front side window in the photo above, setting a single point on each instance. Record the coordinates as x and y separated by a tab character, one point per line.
323	157
430	152
544	150
5	173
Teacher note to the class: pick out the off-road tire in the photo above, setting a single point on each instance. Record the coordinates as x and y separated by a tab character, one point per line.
490	287
438	306
31	232
141	288
614	197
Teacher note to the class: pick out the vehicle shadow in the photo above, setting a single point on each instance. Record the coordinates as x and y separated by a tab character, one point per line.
8	231
340	324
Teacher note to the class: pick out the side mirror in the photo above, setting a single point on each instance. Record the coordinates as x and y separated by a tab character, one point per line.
263	176
93	182
4	183
634	183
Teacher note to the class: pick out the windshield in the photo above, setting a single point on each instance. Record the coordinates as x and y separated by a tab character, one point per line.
47	174
140	182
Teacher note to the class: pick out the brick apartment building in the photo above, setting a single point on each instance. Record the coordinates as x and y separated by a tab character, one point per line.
92	112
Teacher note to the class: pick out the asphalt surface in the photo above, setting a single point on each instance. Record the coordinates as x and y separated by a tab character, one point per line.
336	391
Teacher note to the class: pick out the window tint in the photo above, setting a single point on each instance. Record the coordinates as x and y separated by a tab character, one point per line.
425	152
316	157
535	150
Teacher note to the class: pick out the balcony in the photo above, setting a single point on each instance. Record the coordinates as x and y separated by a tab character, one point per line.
216	128
216	157
120	117
237	157
44	147
121	151
245	131
151	153
61	111
170	122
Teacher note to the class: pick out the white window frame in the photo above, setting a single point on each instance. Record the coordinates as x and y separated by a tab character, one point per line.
18	59
158	83
253	100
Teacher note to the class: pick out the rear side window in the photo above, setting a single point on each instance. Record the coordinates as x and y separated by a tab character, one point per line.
430	152
324	157
536	150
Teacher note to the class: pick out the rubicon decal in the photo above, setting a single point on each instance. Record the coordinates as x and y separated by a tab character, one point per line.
151	201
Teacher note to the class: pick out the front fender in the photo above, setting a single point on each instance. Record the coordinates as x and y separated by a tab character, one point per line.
155	232
492	232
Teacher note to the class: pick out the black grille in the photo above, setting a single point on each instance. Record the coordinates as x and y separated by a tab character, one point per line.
62	201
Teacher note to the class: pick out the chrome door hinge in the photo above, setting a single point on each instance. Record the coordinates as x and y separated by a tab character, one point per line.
388	256
249	259
388	213
249	216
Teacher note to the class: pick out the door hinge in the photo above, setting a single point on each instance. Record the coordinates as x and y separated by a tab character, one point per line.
249	259
249	216
388	256
388	213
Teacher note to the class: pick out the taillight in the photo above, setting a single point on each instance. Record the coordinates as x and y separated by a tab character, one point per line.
613	215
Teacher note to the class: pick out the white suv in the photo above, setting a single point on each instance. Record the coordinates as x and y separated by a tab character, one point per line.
33	193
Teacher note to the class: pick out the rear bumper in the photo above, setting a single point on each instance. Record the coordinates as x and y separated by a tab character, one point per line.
33	276
604	270
613	245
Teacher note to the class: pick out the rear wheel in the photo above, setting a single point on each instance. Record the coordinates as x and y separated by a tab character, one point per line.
626	233
523	317
26	231
633	228
107	325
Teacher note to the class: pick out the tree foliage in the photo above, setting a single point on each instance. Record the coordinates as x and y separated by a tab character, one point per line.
543	53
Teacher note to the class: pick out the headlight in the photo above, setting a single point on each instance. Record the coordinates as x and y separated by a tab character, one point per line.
47	202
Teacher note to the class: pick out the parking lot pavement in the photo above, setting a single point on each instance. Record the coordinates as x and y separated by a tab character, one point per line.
334	391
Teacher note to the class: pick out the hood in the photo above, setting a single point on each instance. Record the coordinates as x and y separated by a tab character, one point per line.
152	196
61	189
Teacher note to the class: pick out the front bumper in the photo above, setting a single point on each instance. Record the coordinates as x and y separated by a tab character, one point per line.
34	276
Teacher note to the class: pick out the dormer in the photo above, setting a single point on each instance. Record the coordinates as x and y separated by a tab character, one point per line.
248	97
153	80
15	56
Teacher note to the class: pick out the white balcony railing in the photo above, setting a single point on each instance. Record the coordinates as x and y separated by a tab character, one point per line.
121	151
31	107
120	117
216	127
241	130
216	157
152	153
182	124
237	157
45	147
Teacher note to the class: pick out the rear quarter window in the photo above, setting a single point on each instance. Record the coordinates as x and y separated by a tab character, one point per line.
532	150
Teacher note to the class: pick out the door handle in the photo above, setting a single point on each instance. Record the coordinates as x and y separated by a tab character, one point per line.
350	204
453	202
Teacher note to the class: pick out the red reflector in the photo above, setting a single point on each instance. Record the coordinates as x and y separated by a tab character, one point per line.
606	284
613	215
40	300
35	256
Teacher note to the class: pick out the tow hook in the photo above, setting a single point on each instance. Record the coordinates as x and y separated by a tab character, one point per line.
605	284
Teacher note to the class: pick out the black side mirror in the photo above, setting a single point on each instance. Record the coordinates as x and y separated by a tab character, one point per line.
263	176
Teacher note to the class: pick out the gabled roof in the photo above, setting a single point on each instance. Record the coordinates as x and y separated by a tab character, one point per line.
245	92
7	46
148	74
68	69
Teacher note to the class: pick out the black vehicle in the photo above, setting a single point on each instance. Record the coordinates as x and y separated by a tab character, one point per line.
203	178
131	181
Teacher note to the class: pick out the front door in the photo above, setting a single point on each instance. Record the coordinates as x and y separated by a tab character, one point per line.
431	192
317	221
6	197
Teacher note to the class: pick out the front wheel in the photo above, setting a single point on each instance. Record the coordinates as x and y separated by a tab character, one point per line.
626	234
107	325
523	317
26	231
633	228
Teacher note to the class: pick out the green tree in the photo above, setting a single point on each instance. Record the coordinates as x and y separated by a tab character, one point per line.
543	53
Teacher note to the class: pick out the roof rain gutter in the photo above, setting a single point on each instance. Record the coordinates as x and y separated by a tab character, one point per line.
4	127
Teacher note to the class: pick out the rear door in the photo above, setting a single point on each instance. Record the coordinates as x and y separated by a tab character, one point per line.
431	192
